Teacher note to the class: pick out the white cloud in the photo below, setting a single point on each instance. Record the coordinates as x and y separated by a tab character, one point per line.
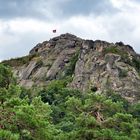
21	25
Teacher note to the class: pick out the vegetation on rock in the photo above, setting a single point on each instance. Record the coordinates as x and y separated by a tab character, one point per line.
15	62
71	66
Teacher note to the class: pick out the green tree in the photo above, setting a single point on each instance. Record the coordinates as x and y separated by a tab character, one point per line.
6	76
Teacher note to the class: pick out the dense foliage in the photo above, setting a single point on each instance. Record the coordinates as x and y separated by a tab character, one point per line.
56	112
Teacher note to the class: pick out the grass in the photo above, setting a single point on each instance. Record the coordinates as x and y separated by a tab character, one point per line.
19	61
115	50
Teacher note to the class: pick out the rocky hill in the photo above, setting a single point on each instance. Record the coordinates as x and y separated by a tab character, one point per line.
89	65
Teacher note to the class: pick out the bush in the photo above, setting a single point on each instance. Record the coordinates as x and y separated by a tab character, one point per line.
8	135
112	49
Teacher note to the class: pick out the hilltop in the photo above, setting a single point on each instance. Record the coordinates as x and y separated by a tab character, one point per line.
90	65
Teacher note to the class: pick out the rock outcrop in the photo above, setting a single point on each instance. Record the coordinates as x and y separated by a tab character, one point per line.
98	66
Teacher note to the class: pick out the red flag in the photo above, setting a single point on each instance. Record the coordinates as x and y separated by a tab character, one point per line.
54	31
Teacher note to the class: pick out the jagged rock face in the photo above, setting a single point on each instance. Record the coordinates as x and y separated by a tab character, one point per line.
100	70
54	56
93	65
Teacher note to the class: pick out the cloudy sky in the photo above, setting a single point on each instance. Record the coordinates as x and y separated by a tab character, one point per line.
24	23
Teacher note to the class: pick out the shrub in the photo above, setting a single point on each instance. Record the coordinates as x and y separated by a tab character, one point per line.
123	73
71	67
136	64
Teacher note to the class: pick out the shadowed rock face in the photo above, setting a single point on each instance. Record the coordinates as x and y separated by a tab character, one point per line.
91	64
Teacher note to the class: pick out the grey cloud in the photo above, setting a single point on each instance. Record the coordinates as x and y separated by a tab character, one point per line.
85	7
56	8
20	8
